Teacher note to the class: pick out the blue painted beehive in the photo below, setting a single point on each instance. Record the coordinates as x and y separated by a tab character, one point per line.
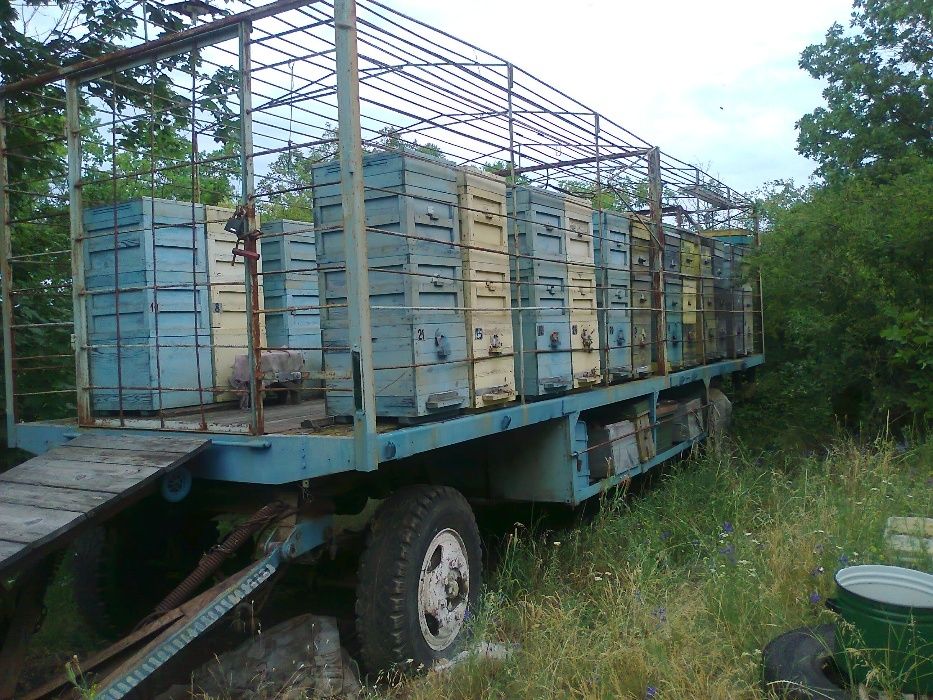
129	249
711	345
673	304
541	298
722	283
742	303
416	286
614	283
644	353
290	291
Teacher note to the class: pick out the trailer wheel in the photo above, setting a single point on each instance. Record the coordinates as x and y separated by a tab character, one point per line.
123	568
798	665
419	578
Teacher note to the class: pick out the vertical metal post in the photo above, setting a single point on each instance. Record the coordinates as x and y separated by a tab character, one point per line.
250	264
518	343
758	305
656	256
601	271
76	214
6	280
349	137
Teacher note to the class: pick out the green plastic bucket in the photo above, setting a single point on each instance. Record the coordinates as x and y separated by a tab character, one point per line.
888	614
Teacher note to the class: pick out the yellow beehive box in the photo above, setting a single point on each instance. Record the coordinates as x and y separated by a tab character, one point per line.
487	288
584	326
228	301
579	234
641	245
691	301
690	262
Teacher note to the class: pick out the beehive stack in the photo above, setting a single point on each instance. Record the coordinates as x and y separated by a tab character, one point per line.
487	288
643	352
673	298
156	308
540	300
691	270
612	247
722	283
229	307
415	281
711	344
581	270
743	304
290	291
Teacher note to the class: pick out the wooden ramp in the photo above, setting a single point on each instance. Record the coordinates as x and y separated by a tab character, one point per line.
46	499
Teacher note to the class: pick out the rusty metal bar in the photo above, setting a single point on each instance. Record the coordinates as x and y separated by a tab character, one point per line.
170	45
6	280
251	262
760	315
597	159
76	209
656	256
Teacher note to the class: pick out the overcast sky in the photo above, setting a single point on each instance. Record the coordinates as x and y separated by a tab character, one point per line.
715	83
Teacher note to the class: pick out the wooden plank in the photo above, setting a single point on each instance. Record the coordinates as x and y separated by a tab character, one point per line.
162	443
79	475
100	455
31	525
91	663
77	500
8	549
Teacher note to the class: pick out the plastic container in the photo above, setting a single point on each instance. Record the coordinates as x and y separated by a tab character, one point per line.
888	621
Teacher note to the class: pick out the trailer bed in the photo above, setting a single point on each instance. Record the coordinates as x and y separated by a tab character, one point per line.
48	498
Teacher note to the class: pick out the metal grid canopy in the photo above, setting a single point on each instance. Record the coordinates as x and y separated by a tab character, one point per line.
259	98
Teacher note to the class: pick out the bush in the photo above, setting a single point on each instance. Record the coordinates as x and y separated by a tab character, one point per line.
847	287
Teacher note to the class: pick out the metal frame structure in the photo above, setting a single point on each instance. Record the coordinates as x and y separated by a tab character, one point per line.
386	81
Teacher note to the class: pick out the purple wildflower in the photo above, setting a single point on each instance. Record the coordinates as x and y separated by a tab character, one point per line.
651	692
815	598
728	551
727	527
844	559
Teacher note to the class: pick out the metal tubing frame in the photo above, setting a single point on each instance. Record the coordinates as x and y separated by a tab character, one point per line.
75	213
6	290
349	135
656	258
250	267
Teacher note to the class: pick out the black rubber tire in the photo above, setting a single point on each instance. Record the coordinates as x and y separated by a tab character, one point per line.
798	665
403	527
122	569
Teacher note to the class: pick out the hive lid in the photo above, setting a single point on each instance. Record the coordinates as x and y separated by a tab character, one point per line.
888	585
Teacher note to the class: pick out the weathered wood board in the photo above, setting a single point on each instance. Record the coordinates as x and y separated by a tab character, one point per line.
45	500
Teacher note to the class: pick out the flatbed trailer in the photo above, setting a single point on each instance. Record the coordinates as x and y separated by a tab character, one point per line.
312	479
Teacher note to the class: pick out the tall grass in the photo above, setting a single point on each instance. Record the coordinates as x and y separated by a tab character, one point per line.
673	593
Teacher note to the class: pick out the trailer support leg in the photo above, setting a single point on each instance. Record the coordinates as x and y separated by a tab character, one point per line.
29	592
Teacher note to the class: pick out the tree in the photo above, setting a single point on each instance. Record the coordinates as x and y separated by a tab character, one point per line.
153	122
880	84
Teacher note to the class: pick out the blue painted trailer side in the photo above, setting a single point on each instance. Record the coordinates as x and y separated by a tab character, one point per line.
534	439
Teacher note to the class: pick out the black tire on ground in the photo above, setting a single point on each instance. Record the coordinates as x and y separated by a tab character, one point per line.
123	568
798	665
423	545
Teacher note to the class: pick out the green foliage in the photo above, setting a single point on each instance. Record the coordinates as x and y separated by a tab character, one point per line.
847	291
284	191
880	84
